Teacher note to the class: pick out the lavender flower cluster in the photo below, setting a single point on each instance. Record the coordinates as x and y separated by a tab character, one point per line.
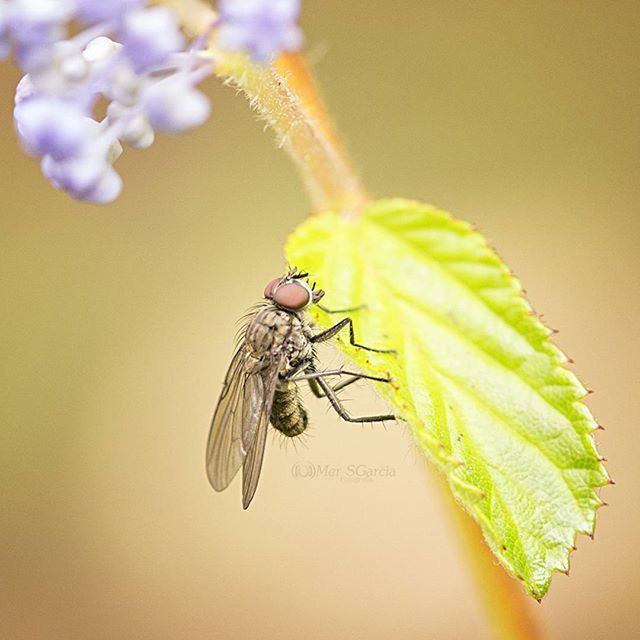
127	60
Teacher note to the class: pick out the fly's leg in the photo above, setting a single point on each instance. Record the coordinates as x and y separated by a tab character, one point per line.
321	388
293	376
303	365
318	393
327	334
341	411
312	377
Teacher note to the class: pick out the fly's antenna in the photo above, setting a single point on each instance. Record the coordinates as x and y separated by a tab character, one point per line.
294	274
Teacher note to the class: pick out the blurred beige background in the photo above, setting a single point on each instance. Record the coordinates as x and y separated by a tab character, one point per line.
117	327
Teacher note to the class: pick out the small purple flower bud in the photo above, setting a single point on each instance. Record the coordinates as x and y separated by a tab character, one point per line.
173	105
68	58
91	11
34	25
123	86
136	132
51	126
64	71
263	28
29	19
34	22
107	189
100	49
149	36
75	175
24	89
88	178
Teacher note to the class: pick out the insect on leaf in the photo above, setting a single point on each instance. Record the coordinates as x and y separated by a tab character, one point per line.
485	392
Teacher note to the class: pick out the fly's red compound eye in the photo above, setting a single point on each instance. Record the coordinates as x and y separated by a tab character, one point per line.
270	288
294	295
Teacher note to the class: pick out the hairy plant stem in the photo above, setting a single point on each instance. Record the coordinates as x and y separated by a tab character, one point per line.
286	97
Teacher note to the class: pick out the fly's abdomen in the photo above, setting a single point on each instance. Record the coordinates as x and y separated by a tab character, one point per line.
288	415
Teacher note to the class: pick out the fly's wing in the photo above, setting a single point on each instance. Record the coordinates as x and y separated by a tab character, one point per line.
255	454
235	421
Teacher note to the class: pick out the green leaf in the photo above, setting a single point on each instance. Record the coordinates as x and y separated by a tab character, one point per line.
484	390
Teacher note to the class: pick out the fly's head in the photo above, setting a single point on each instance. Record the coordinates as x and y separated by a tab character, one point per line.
293	292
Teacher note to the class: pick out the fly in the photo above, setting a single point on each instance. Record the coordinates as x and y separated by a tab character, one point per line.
274	353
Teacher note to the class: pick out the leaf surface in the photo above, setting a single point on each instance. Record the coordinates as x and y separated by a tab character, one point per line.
485	392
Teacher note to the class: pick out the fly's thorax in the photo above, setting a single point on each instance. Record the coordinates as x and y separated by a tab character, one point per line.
273	330
268	331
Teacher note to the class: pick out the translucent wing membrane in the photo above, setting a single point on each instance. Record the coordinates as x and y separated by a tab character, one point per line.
239	426
255	453
226	449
